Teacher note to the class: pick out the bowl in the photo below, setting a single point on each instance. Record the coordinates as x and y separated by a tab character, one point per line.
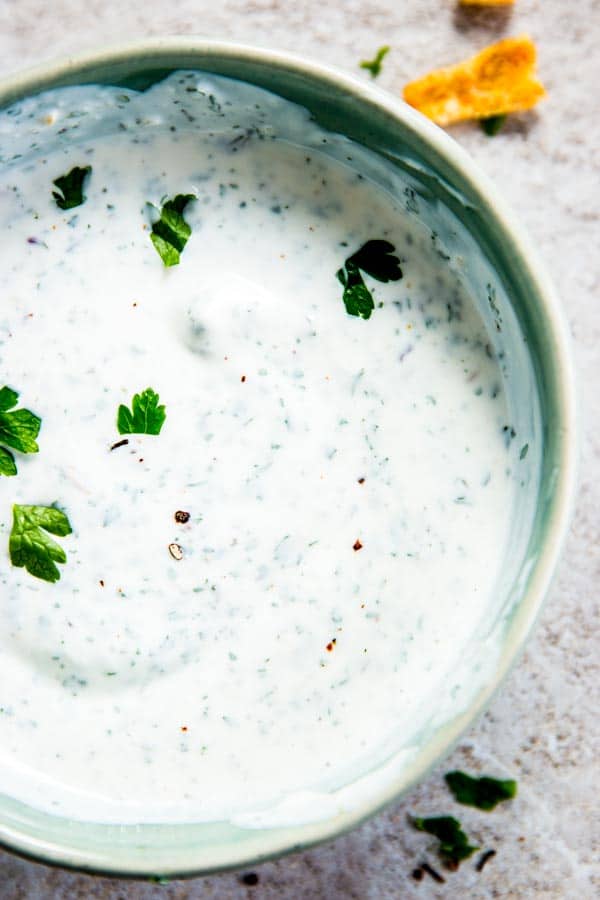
436	179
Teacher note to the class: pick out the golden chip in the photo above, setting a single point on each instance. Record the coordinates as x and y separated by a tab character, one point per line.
499	79
486	2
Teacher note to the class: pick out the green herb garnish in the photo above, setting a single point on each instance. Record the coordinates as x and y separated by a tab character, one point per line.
376	259
19	429
171	232
71	187
357	297
374	65
493	125
7	462
484	793
30	546
454	844
145	416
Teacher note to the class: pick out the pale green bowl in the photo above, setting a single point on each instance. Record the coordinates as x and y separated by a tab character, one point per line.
505	270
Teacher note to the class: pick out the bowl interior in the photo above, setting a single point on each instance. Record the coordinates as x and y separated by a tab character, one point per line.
438	185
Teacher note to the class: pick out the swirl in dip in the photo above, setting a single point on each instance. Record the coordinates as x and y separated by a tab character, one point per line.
348	483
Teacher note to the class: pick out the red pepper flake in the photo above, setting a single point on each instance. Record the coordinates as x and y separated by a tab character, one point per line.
417	874
357	545
101	583
361	480
184	727
331	644
243	378
141	459
182	516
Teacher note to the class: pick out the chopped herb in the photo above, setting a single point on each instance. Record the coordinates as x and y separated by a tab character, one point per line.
425	867
171	232
145	417
30	546
357	298
454	844
524	451
7	462
483	859
374	65
250	879
483	793
376	259
70	187
19	429
493	125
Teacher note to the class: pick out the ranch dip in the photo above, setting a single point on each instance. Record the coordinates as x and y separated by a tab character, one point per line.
262	602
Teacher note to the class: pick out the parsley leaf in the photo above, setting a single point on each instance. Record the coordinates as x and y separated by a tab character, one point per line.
30	546
357	298
8	398
454	844
374	65
19	429
483	793
70	187
376	259
493	125
171	232
145	417
7	462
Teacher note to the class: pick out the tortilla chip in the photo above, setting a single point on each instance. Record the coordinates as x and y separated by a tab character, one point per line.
500	79
486	2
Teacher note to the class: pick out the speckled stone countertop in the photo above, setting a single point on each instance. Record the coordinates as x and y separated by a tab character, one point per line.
543	726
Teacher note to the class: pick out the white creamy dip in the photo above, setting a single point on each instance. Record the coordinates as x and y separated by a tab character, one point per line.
273	659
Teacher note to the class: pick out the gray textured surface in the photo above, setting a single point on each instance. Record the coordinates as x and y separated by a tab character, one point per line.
542	728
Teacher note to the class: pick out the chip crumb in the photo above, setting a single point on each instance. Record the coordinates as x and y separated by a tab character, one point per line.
499	79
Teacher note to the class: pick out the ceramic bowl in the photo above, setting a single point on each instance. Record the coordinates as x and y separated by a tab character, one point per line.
437	178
